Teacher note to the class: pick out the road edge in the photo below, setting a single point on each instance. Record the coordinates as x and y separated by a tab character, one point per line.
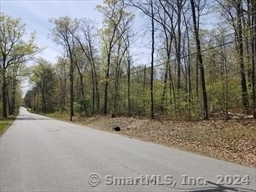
8	126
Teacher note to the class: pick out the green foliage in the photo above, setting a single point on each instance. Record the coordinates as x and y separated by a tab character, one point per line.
100	60
82	107
14	53
3	125
13	48
44	79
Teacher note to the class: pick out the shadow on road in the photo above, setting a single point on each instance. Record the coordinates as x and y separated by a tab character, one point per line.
26	118
220	188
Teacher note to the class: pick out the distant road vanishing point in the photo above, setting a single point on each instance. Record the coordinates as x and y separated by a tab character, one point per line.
43	154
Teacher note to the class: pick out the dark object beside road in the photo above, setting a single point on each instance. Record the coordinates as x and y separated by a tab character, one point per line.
116	128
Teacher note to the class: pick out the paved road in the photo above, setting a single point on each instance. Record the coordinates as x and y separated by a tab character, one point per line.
42	154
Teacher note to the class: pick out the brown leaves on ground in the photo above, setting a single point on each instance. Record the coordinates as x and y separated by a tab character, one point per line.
233	140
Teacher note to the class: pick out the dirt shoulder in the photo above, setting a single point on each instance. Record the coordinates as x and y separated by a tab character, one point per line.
233	140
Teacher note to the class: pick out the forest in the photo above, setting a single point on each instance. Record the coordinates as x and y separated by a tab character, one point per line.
194	73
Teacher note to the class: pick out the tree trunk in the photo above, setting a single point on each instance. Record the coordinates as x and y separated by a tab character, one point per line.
93	91
189	74
81	87
117	83
179	4
144	88
152	62
96	88
96	95
44	102
82	91
13	97
253	12
4	92
165	87
62	95
200	59
172	89
106	86
129	87
8	100
37	102
241	56
71	89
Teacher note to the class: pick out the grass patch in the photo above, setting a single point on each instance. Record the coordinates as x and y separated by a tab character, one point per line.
6	122
3	125
61	116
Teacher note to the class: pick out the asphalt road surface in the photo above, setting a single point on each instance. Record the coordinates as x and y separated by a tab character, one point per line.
42	154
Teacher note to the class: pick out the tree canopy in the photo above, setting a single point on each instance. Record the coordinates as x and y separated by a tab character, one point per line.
194	72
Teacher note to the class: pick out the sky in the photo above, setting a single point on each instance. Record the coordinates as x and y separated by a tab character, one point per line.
36	14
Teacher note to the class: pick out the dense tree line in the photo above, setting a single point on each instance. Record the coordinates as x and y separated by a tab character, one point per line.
14	53
194	72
